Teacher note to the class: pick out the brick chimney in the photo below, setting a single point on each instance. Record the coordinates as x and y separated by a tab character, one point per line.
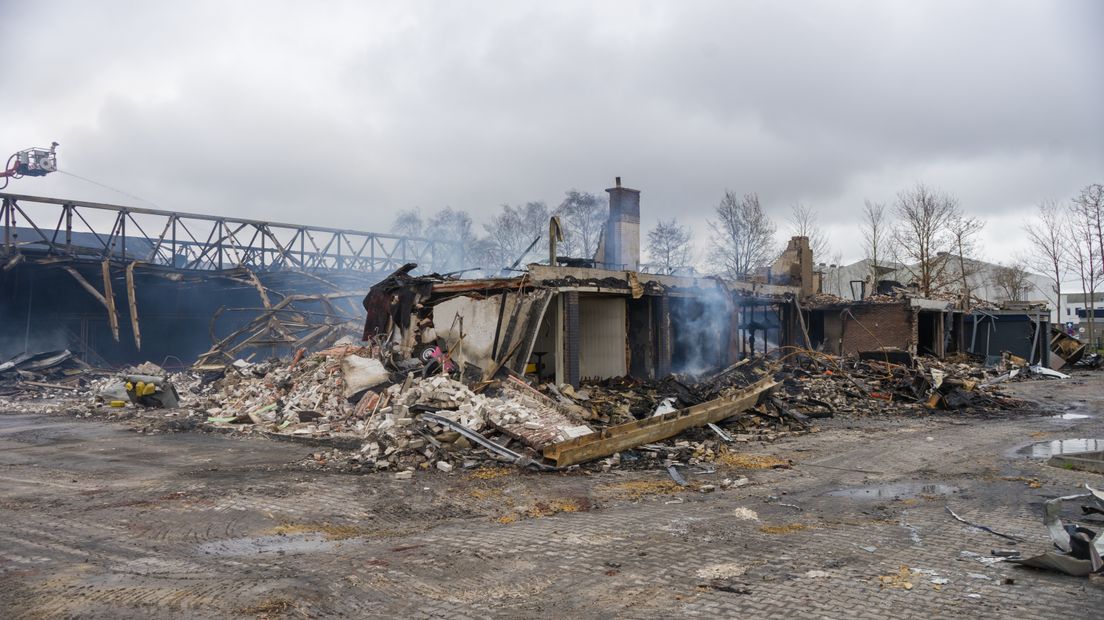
621	238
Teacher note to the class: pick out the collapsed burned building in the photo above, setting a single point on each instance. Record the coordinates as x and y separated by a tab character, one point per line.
939	328
569	323
568	362
117	285
566	323
600	318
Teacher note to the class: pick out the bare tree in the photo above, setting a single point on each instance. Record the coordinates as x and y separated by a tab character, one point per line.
877	237
743	235
1012	281
510	233
454	228
1088	248
1082	257
1089	204
923	234
804	222
1047	235
669	246
408	223
583	216
964	232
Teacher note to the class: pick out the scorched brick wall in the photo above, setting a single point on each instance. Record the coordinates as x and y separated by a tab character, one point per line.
887	325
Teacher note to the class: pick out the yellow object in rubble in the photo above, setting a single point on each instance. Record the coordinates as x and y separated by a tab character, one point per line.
118	403
148	389
129	386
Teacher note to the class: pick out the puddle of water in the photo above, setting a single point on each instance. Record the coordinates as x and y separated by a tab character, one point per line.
293	543
1047	449
1078	410
901	490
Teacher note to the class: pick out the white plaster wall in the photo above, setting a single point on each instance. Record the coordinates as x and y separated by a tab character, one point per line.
603	337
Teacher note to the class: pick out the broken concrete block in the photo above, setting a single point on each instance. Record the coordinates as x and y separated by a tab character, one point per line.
444	466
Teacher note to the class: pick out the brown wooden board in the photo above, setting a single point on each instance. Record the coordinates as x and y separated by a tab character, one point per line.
626	436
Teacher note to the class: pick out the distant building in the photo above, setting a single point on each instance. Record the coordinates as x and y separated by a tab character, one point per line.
1075	308
856	281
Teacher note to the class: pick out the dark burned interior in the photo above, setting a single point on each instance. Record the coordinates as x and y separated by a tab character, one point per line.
180	315
120	285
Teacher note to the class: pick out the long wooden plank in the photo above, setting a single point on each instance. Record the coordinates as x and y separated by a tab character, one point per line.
132	301
86	285
465	286
657	428
109	297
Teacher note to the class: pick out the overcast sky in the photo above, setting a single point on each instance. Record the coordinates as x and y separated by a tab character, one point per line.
342	113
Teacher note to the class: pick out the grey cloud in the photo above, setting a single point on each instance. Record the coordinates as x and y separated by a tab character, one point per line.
343	113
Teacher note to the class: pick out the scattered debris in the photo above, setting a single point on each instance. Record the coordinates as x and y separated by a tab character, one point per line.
1079	548
386	406
745	514
902	579
983	527
721	571
47	371
816	385
655	428
676	476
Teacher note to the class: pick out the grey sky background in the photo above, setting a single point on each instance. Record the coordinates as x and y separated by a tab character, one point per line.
342	113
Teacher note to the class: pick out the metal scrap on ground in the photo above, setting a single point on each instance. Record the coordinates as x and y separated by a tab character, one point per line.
1078	548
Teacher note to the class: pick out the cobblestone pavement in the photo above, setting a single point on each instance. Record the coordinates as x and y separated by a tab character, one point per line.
97	520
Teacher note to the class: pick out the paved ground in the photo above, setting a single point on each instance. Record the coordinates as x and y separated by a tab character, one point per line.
97	520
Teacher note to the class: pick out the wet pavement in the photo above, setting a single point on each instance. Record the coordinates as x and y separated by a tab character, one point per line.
101	521
1047	449
898	491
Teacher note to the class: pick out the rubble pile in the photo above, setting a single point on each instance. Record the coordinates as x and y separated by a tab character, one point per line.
304	396
395	439
620	399
323	395
399	417
874	387
52	381
47	374
346	394
623	399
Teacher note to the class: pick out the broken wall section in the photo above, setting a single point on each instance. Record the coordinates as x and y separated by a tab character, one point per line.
850	329
487	332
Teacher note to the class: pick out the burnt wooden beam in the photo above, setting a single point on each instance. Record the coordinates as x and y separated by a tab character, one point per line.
656	428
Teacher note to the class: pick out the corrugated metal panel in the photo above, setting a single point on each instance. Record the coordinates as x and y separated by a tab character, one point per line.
602	336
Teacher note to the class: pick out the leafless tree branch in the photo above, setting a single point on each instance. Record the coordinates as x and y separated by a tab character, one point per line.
669	246
743	235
